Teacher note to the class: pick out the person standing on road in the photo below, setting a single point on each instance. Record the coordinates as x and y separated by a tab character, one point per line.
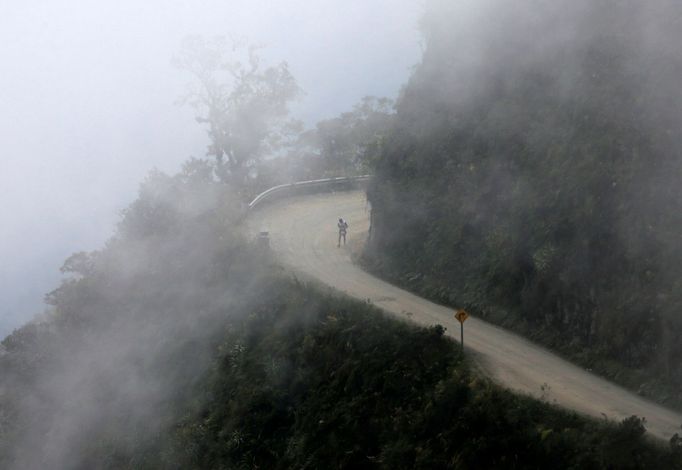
343	228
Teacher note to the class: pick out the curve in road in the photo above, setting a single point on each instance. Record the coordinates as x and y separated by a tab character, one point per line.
303	236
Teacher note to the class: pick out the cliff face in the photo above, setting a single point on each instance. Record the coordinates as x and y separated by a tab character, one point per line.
534	174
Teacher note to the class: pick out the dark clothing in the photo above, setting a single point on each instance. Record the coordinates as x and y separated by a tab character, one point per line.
343	228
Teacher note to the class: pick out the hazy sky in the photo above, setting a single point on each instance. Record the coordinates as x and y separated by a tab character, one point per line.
87	105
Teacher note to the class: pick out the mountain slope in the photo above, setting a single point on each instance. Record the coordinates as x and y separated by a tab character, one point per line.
534	173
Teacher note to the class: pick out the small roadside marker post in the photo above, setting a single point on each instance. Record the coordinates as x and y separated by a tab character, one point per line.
461	317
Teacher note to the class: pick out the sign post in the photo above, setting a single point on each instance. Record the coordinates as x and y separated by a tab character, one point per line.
461	317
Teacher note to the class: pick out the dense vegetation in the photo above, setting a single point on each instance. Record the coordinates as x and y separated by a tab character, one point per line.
342	387
169	348
533	174
133	327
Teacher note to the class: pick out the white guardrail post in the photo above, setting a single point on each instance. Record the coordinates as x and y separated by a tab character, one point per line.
302	187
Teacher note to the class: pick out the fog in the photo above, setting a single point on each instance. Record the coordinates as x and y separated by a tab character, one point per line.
537	176
88	106
538	135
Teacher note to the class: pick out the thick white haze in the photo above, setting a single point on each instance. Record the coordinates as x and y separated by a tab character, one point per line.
87	105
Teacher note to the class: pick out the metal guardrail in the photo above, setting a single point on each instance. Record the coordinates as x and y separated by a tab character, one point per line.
303	187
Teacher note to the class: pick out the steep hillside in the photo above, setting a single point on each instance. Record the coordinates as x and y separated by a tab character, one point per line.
533	175
175	346
321	382
133	327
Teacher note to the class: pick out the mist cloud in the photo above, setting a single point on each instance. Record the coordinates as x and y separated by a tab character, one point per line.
88	92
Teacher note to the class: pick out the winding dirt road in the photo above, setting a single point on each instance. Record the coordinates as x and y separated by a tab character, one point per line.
303	236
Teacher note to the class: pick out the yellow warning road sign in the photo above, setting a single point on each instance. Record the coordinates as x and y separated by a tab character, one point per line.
461	315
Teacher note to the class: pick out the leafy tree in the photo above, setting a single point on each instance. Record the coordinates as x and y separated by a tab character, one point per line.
347	144
243	103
